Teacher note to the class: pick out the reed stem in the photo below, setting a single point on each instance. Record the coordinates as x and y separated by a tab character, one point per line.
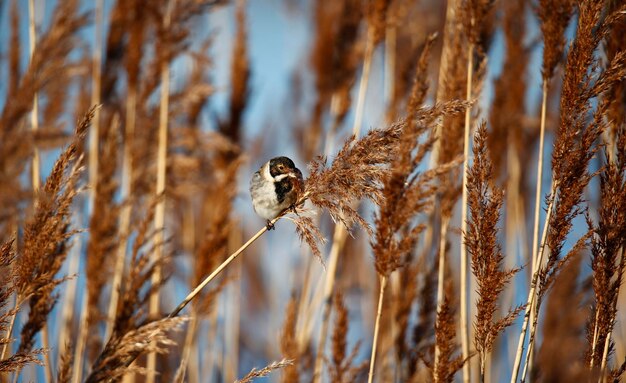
466	145
379	311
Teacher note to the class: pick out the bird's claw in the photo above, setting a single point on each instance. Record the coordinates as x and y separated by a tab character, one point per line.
270	225
292	208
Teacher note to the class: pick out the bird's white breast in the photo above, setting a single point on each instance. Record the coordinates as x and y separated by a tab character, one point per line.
263	194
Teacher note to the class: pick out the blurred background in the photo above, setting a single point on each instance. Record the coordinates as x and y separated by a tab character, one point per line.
242	82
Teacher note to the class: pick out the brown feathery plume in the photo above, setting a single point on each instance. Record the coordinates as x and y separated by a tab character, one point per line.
38	261
341	369
423	334
288	343
133	332
554	16
406	193
485	201
614	43
474	19
103	235
445	335
405	298
161	175
507	113
574	146
66	362
356	173
50	63
559	357
136	25
18	360
254	373
239	78
376	15
608	244
150	337
334	59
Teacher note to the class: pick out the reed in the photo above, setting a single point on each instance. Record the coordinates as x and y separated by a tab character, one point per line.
396	263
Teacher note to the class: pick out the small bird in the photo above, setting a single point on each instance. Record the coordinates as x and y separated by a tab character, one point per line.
275	187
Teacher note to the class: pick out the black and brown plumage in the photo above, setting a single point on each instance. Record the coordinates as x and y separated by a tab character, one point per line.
275	187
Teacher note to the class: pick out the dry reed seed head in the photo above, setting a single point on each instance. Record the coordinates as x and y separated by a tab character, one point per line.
289	343
254	373
66	361
422	339
485	202
507	114
356	173
574	147
405	298
46	236
554	16
103	233
407	192
474	16
377	19
240	78
19	360
607	259
339	337
450	362
563	325
111	364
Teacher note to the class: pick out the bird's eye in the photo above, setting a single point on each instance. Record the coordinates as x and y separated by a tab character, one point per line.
281	167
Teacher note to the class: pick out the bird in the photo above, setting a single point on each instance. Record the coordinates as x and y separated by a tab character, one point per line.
275	187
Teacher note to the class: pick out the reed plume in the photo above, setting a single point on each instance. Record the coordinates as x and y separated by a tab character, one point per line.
485	203
256	373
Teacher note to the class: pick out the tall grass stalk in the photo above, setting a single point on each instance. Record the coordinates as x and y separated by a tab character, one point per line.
463	269
532	295
125	215
542	130
159	213
379	312
36	176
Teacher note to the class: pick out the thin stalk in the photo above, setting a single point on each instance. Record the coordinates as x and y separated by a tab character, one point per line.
365	75
440	284
538	183
307	284
231	330
94	138
36	177
79	352
339	239
34	115
159	212
605	354
390	66
10	329
607	340
595	339
379	312
532	293
96	74
210	360
217	271
466	145
70	298
340	233
123	230
189	337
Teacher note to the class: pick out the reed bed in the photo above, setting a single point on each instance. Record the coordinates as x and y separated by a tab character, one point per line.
462	218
